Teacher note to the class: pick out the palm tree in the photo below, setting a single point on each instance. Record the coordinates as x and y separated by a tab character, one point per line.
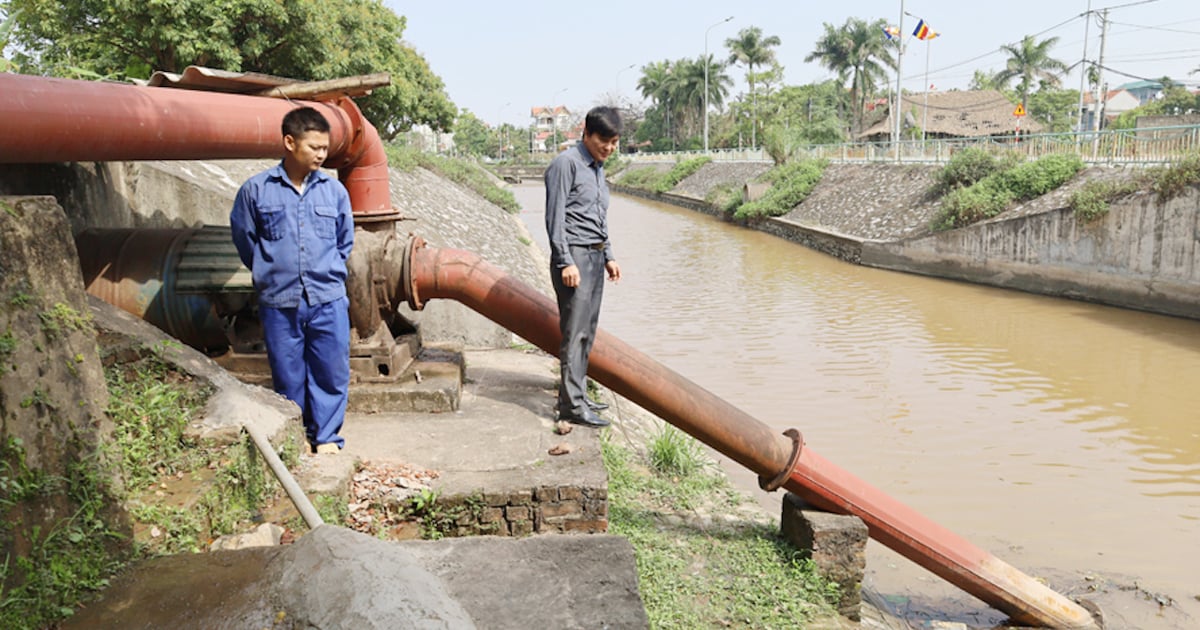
1030	60
687	93
859	52
658	83
751	49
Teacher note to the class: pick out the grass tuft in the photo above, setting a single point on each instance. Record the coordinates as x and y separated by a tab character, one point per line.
691	575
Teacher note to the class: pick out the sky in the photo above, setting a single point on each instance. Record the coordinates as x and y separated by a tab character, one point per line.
500	59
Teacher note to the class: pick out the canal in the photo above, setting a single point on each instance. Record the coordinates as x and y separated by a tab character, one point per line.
1062	436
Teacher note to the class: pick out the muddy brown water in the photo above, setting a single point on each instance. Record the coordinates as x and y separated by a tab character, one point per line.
1061	436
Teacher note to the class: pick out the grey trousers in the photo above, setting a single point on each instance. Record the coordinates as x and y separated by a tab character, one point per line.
578	314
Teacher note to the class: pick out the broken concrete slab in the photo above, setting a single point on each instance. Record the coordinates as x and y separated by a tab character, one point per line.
336	578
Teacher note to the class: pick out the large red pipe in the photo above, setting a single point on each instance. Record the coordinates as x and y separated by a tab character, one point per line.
64	120
463	276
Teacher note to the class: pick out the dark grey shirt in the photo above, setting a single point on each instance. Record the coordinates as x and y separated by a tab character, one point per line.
576	205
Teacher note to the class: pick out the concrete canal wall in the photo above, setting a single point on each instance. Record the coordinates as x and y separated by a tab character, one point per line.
1142	255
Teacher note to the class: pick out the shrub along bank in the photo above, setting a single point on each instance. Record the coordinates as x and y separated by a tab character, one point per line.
1007	182
790	183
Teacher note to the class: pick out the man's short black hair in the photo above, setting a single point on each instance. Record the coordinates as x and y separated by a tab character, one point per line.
603	121
300	120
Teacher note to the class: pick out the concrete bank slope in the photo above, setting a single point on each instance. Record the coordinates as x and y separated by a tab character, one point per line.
1143	254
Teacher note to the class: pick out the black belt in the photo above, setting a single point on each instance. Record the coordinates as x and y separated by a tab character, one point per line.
593	246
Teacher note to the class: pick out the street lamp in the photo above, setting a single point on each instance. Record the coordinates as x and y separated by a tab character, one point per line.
554	120
706	64
617	83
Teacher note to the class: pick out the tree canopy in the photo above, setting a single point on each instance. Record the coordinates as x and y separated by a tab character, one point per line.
1030	61
751	49
857	51
301	39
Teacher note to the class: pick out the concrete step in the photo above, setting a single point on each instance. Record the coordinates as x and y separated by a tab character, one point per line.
491	456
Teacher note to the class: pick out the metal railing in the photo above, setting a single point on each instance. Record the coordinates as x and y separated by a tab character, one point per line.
1154	145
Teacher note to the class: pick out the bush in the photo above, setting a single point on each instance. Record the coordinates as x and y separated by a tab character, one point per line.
1091	201
643	178
993	194
1170	182
965	168
725	197
790	185
1034	179
680	172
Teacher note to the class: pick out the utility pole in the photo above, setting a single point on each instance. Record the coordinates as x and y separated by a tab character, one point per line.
1101	92
1100	69
1087	23
899	63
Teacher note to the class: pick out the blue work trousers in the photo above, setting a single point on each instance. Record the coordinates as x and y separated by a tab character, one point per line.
578	314
308	348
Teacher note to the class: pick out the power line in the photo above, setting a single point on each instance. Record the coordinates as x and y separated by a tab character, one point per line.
1156	28
1001	47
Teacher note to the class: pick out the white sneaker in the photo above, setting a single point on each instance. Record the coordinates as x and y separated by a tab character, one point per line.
327	449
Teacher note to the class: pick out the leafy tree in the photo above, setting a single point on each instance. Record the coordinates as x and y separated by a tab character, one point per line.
7	23
983	80
751	49
1055	109
302	39
812	111
472	136
658	84
858	52
1030	61
677	89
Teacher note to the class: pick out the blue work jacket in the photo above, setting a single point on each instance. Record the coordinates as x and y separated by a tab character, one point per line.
295	244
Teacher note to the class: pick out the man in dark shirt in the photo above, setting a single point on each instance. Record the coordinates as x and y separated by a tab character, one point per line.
580	255
293	229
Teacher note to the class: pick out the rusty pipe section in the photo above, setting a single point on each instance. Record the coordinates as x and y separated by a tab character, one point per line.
64	120
465	277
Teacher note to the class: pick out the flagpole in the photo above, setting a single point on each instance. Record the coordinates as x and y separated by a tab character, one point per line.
925	110
899	74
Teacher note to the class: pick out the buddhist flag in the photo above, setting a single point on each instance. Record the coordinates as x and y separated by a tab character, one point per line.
923	32
892	32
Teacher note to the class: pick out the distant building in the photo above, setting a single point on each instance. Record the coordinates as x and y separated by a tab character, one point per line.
954	114
545	121
1143	91
425	139
1116	102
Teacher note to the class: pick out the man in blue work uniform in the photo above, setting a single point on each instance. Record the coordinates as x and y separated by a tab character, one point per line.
293	229
580	254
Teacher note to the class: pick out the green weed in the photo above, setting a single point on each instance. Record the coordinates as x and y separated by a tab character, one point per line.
151	407
675	453
62	318
66	563
465	173
693	577
8	343
1092	199
1171	181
